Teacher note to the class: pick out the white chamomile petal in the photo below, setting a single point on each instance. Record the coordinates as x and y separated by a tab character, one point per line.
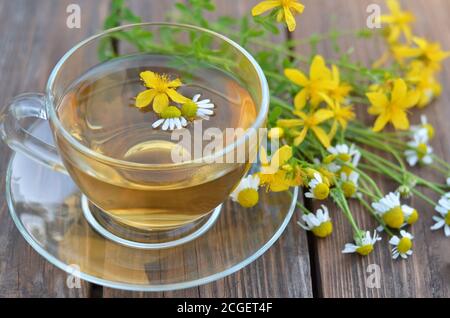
170	123
204	107
158	123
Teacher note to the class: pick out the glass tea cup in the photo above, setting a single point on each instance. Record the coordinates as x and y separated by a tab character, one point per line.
133	199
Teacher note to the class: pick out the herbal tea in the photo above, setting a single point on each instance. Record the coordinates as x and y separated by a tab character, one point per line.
99	111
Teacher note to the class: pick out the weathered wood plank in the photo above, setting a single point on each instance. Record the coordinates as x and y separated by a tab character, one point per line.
284	270
426	274
34	36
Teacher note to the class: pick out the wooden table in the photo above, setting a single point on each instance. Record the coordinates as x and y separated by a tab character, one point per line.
34	36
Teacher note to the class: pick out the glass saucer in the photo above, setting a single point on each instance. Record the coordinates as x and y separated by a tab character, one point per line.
47	208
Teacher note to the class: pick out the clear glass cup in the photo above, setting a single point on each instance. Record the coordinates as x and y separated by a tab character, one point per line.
93	171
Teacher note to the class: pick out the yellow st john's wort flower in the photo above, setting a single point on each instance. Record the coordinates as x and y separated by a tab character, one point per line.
424	81
399	22
430	52
161	88
340	90
393	108
320	223
308	122
364	245
341	115
275	173
246	193
286	10
319	82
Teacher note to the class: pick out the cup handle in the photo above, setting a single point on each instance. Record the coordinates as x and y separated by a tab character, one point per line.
15	130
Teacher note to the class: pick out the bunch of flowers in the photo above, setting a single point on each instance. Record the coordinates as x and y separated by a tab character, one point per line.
326	149
321	133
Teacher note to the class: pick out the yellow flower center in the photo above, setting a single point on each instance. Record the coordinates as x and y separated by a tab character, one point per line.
248	198
161	83
349	189
321	191
344	157
430	130
422	150
394	218
413	217
447	218
171	112
365	249
404	245
189	109
323	230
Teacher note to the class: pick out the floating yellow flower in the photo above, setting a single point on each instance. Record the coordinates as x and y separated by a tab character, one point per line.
393	108
309	122
275	173
319	83
286	10
339	91
399	22
161	88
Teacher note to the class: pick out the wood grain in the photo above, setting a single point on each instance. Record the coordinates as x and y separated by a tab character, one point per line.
34	36
426	274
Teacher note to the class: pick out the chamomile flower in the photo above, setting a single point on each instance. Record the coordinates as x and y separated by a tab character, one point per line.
197	108
402	245
419	150
443	221
319	223
364	245
390	210
424	125
346	154
349	184
318	188
246	193
328	164
171	119
411	214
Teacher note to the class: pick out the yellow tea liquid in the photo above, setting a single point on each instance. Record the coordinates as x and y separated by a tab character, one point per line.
98	111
